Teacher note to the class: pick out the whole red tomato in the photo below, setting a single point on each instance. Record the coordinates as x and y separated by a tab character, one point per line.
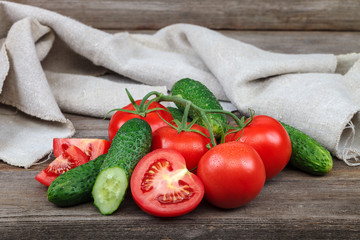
270	139
155	122
191	145
233	174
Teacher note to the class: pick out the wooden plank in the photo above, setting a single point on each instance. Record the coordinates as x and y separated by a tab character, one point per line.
227	14
291	204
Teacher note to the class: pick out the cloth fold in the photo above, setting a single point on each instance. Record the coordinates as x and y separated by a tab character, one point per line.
51	64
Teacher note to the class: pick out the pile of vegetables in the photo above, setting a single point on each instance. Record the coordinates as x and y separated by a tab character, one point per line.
172	157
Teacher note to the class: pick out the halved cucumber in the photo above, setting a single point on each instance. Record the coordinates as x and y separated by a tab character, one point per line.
130	144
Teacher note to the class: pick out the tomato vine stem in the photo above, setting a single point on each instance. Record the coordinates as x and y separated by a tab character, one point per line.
160	97
142	110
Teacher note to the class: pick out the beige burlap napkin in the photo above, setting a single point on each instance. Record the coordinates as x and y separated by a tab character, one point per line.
46	68
51	64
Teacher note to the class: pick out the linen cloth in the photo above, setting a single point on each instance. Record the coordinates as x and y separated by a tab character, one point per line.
51	64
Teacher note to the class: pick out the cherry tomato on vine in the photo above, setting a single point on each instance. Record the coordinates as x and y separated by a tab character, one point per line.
270	139
191	145
233	174
162	186
155	122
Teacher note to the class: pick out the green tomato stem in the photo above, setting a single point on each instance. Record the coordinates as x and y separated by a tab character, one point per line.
136	107
186	113
159	97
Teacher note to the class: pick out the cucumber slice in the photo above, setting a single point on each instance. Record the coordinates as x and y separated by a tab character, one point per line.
109	189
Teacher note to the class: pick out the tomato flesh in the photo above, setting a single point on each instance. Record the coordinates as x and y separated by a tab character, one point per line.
91	147
45	178
162	186
71	158
154	176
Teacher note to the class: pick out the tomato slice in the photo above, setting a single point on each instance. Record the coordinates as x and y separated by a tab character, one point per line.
69	159
91	147
45	178
162	186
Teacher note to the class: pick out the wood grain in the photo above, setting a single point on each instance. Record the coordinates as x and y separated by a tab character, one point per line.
227	14
291	205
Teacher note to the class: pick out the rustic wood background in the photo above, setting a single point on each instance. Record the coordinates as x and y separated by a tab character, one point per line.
217	14
293	205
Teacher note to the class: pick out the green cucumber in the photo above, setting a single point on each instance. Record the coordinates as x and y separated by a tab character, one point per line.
202	97
130	144
74	186
307	154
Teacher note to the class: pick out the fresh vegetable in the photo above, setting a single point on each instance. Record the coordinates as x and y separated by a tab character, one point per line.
233	174
307	154
45	178
177	113
91	147
161	185
202	97
130	144
270	139
75	186
230	174
151	114
205	116
191	143
69	159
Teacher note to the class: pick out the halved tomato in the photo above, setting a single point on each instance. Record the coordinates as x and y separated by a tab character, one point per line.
162	186
91	147
69	159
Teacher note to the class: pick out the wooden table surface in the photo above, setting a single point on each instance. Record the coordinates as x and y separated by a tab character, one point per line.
293	205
